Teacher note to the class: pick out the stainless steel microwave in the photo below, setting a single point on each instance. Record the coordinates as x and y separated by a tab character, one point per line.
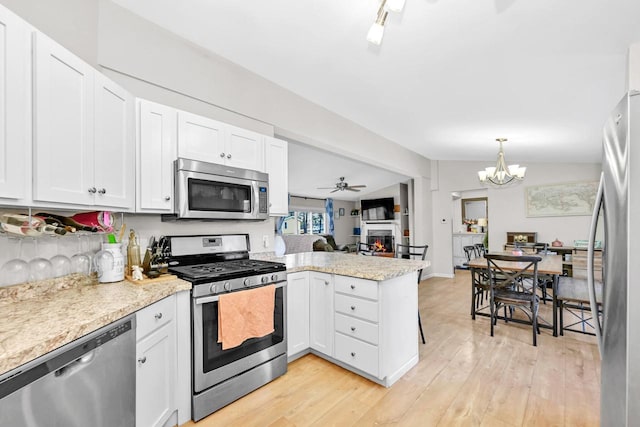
210	191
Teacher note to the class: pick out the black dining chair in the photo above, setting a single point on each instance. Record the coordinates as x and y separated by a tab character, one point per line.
513	283
414	252
480	249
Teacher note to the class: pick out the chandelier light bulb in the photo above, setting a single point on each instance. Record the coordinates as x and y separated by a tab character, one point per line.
375	34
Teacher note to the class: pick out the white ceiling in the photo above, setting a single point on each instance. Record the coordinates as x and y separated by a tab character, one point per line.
310	168
449	77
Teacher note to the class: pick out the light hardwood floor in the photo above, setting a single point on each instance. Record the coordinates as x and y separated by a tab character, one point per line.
464	377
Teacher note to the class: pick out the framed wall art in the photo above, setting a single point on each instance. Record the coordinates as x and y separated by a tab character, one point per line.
568	199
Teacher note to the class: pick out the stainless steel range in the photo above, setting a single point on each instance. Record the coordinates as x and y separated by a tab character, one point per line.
217	265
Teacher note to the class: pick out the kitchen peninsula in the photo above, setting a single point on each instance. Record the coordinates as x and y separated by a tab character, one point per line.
359	312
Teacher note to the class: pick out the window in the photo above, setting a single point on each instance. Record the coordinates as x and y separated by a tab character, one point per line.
305	222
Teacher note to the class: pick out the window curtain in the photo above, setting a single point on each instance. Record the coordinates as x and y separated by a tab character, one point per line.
328	207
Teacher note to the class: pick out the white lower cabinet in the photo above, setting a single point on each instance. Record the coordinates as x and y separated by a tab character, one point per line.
156	363
321	312
297	313
368	326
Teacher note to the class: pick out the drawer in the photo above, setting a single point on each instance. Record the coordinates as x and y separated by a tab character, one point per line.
357	287
357	328
357	307
154	316
356	353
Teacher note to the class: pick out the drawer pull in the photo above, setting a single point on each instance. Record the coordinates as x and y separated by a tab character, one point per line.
353	329
158	316
326	283
353	307
353	354
353	286
144	359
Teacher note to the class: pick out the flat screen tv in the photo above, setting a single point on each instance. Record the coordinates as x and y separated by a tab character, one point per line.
377	209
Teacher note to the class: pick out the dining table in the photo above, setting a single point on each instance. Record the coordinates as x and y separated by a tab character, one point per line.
550	266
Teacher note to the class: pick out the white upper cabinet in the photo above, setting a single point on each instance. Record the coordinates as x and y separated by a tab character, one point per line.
277	166
244	149
201	138
207	140
15	165
63	128
83	132
114	148
157	149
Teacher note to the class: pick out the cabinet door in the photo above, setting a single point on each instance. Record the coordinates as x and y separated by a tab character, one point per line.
63	125
201	138
297	312
155	377
114	144
157	149
15	167
277	166
244	149
321	312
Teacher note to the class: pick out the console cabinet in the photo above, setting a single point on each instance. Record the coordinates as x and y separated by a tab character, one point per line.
460	240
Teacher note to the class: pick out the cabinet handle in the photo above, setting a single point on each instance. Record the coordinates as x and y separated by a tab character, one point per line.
102	191
158	316
222	155
353	329
167	198
353	307
228	156
353	286
326	283
144	359
92	190
353	354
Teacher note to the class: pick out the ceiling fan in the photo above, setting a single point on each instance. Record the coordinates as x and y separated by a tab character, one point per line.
341	186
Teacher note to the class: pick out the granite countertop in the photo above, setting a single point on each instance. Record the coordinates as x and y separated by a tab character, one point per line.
36	318
346	264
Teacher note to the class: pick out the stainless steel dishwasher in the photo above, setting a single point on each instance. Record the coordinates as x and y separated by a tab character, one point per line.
88	382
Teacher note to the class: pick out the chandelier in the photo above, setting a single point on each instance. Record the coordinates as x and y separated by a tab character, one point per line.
501	174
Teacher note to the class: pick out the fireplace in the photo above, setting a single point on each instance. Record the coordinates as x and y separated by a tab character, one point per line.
381	240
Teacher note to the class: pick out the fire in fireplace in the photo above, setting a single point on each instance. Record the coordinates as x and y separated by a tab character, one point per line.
380	240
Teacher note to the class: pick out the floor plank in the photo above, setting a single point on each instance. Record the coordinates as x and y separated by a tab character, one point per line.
464	377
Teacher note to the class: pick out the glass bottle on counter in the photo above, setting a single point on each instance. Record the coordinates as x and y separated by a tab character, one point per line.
133	252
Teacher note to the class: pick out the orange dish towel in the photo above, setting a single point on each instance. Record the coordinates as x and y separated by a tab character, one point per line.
245	314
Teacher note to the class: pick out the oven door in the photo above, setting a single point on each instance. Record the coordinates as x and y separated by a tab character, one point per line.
211	364
205	196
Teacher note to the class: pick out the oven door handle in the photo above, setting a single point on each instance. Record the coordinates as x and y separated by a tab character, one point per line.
213	298
204	300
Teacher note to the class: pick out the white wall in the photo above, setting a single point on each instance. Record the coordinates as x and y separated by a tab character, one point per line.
634	67
507	210
343	225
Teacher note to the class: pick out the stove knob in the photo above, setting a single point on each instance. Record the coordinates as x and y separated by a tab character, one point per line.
264	279
247	282
227	286
274	277
213	289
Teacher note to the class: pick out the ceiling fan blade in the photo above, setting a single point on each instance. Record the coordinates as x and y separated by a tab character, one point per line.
337	189
325	188
351	189
358	186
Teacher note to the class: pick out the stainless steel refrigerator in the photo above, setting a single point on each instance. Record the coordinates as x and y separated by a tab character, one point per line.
618	201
